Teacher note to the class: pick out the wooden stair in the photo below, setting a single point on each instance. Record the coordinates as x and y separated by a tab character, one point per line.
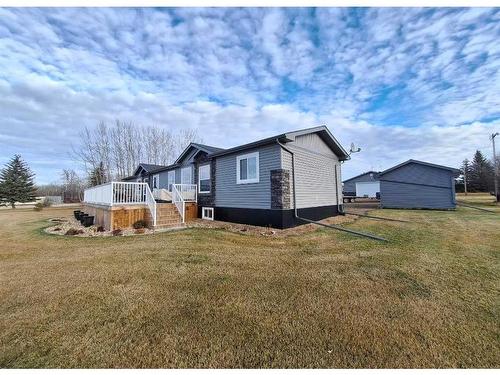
167	216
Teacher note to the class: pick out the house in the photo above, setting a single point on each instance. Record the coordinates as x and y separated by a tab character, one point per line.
270	182
417	184
364	185
143	172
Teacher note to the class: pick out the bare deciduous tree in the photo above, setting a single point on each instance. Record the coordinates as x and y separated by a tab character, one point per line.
123	145
72	184
185	137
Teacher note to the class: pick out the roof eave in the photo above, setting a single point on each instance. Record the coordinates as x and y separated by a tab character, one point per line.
454	170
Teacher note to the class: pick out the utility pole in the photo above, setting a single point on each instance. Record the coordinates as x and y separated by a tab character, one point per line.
465	168
495	165
465	178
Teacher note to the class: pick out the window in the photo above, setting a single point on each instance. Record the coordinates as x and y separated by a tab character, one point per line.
186	175
207	213
247	168
204	178
156	179
170	179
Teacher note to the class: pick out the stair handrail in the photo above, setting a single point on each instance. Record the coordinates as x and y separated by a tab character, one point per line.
151	202
178	200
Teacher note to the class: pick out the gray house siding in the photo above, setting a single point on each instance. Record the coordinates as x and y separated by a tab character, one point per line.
317	172
350	186
254	195
417	186
163	179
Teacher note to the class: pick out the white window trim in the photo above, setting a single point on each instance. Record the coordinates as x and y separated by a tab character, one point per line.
190	174
248	180
203	213
209	178
170	173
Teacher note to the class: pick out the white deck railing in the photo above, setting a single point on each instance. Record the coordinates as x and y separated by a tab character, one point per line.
101	194
122	193
188	191
130	193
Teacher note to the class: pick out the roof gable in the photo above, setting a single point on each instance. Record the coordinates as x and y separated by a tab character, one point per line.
375	175
198	147
325	134
322	131
413	161
148	168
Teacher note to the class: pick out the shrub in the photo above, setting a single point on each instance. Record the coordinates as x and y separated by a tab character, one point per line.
38	206
117	232
73	232
46	202
139	224
100	228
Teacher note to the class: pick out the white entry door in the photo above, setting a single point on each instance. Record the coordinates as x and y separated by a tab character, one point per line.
367	189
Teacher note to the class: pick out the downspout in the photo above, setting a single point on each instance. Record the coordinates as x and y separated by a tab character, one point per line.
340	207
316	222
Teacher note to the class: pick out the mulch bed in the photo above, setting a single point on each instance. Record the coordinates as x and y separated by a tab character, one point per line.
72	227
76	229
262	231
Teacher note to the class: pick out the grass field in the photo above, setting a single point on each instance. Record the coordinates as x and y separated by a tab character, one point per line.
210	298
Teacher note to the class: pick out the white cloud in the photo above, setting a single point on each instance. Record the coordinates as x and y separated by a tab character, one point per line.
402	83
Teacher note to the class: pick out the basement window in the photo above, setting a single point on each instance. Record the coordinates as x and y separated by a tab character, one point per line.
247	168
207	213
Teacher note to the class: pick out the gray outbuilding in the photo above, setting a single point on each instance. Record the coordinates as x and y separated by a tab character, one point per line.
366	184
417	184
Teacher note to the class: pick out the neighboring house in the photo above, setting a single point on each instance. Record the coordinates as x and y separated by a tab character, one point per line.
364	185
417	184
254	183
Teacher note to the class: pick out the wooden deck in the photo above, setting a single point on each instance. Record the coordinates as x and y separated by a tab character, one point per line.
121	217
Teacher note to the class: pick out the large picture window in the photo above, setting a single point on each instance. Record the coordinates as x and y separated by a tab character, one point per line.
247	168
204	179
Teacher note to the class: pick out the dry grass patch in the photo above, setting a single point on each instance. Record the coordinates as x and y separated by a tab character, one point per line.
211	298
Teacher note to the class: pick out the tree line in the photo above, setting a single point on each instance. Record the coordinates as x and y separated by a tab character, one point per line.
112	152
478	174
106	152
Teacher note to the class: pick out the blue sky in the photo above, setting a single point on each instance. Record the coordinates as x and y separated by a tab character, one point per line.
400	83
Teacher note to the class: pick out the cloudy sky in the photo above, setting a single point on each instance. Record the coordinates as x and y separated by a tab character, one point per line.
400	83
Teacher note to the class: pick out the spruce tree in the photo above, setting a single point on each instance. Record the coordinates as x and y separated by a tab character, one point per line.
481	174
16	183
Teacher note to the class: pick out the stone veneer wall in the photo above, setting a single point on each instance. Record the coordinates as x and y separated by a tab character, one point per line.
280	189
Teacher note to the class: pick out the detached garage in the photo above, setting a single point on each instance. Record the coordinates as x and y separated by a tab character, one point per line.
363	185
417	184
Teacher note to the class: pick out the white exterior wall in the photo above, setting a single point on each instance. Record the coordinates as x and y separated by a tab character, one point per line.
315	165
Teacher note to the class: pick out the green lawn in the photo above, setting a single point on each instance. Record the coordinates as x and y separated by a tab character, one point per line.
210	298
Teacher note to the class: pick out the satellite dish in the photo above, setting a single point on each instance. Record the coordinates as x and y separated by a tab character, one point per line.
354	148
